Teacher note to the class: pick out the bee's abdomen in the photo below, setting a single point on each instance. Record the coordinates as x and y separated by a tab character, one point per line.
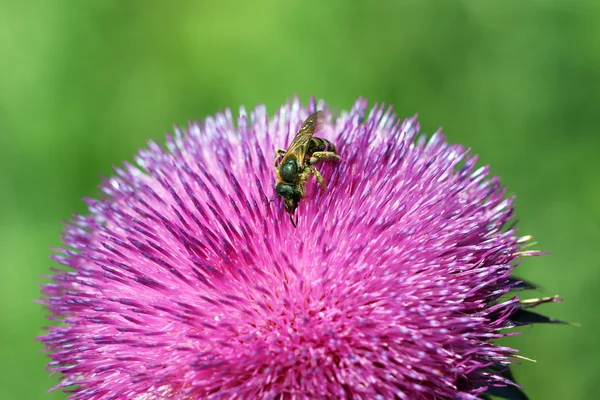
320	144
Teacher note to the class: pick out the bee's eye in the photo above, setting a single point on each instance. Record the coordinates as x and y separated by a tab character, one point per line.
289	171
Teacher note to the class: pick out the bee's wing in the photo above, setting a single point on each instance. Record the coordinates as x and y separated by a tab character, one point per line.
312	124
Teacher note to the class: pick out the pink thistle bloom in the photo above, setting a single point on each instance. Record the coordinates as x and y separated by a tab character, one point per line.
188	282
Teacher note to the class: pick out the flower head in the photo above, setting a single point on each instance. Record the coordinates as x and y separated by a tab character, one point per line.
188	280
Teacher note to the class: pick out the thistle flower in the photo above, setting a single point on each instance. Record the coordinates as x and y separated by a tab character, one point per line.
188	281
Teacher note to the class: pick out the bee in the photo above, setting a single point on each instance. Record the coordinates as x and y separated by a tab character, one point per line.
296	166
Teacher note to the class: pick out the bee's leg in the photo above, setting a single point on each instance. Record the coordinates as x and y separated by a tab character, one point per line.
301	188
278	154
303	177
319	177
322	156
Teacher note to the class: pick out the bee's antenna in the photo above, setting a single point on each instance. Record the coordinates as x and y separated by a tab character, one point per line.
292	219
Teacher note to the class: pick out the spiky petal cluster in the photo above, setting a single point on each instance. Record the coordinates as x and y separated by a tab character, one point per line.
187	281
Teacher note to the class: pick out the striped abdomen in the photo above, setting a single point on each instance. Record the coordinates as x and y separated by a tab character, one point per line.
319	144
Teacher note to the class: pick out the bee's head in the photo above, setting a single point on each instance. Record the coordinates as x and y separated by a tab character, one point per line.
290	195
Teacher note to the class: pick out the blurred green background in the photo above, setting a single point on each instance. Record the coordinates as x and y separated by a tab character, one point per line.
84	84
